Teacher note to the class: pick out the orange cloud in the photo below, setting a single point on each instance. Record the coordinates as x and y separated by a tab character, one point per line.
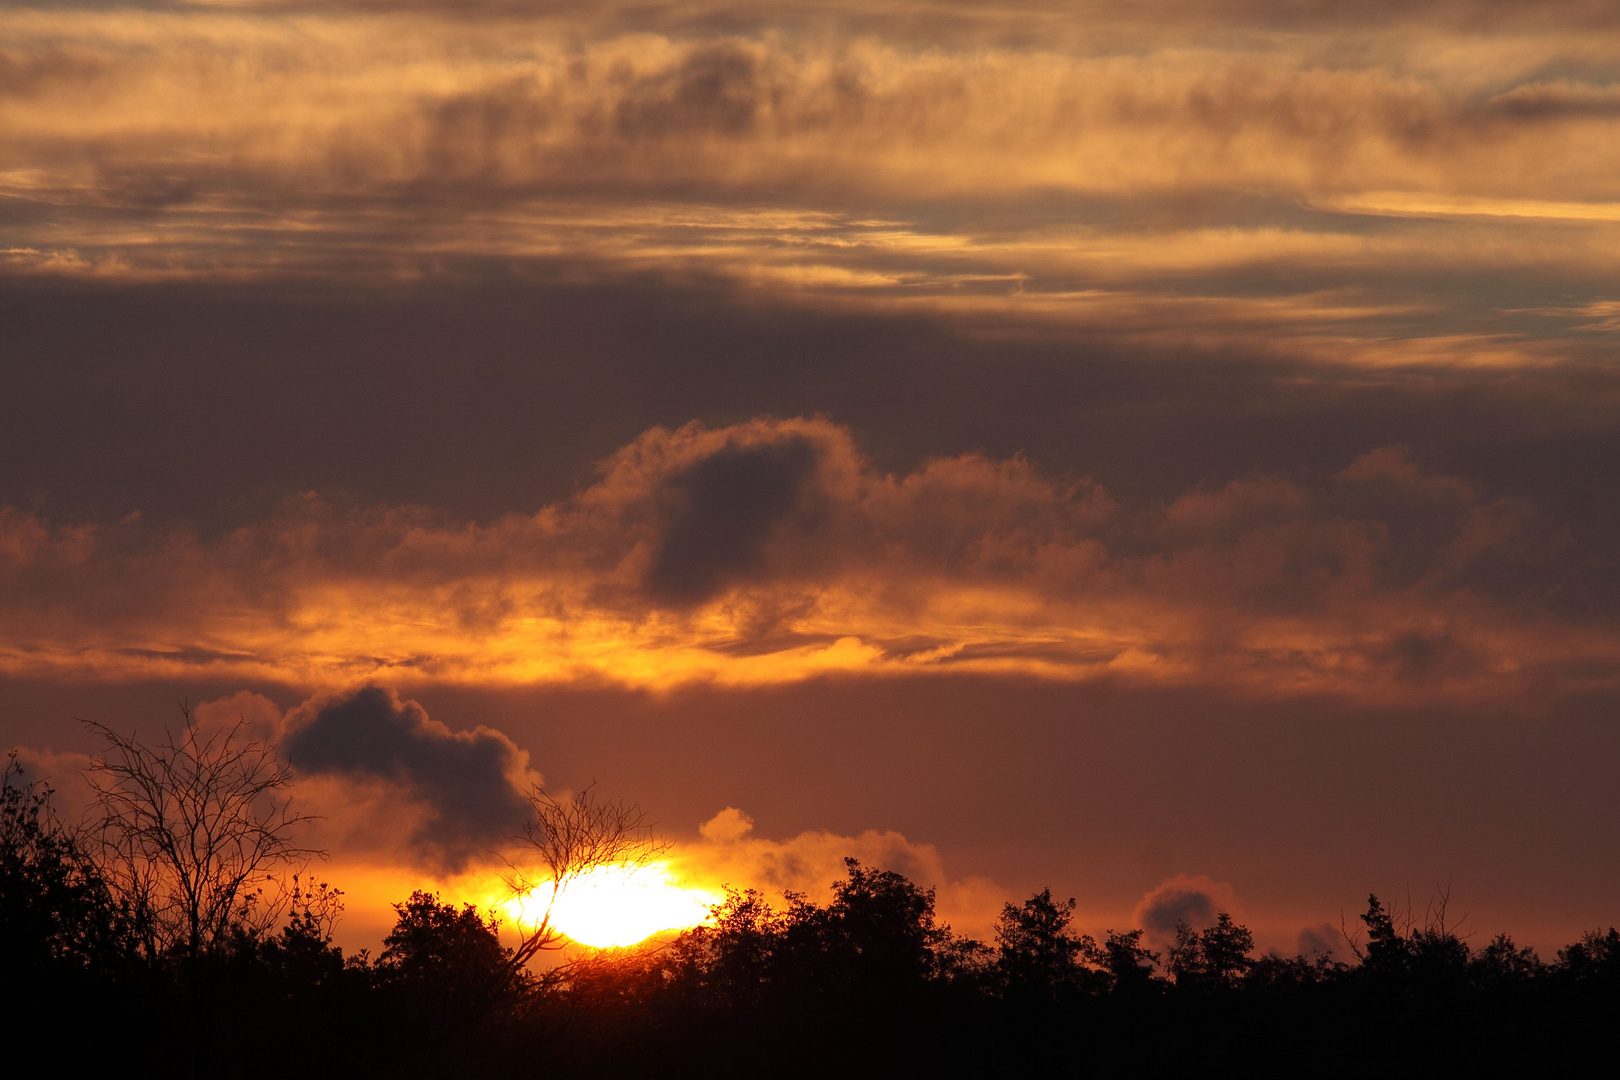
773	551
1196	180
727	853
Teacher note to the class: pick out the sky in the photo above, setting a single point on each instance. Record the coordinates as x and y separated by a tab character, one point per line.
1161	451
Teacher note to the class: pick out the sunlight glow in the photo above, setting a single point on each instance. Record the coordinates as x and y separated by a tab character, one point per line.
609	906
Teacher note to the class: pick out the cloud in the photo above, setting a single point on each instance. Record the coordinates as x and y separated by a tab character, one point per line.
1194	900
773	550
784	503
729	854
714	89
1176	180
1324	939
432	102
65	774
1563	99
467	787
250	715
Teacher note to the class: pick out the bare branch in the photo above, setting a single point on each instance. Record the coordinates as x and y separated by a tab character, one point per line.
565	839
1352	938
195	831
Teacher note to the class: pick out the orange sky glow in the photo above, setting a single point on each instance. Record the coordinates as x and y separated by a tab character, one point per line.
1091	444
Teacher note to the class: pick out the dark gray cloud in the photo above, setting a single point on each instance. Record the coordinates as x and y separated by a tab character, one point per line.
1324	939
1570	100
716	89
723	510
1182	900
471	783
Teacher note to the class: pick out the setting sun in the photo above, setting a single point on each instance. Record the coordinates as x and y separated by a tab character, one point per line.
609	906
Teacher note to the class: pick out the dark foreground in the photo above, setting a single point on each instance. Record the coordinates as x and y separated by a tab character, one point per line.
95	975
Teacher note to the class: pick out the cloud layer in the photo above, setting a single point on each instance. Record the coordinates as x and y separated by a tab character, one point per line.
1429	186
773	550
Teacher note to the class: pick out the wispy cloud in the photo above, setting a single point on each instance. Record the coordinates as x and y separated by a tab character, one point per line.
1303	182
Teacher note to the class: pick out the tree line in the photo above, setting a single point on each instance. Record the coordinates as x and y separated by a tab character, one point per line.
178	928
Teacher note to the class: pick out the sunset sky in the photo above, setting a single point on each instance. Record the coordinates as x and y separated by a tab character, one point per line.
1163	451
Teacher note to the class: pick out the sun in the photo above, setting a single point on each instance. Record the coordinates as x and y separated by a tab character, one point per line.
614	905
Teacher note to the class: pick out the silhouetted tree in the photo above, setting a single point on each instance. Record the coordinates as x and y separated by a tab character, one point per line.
876	940
1386	952
1593	961
1037	957
1216	958
1128	964
1501	964
730	960
57	915
617	983
447	966
1291	975
191	831
1428	960
302	959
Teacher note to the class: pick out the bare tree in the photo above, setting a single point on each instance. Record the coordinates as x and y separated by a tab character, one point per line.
565	839
194	831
